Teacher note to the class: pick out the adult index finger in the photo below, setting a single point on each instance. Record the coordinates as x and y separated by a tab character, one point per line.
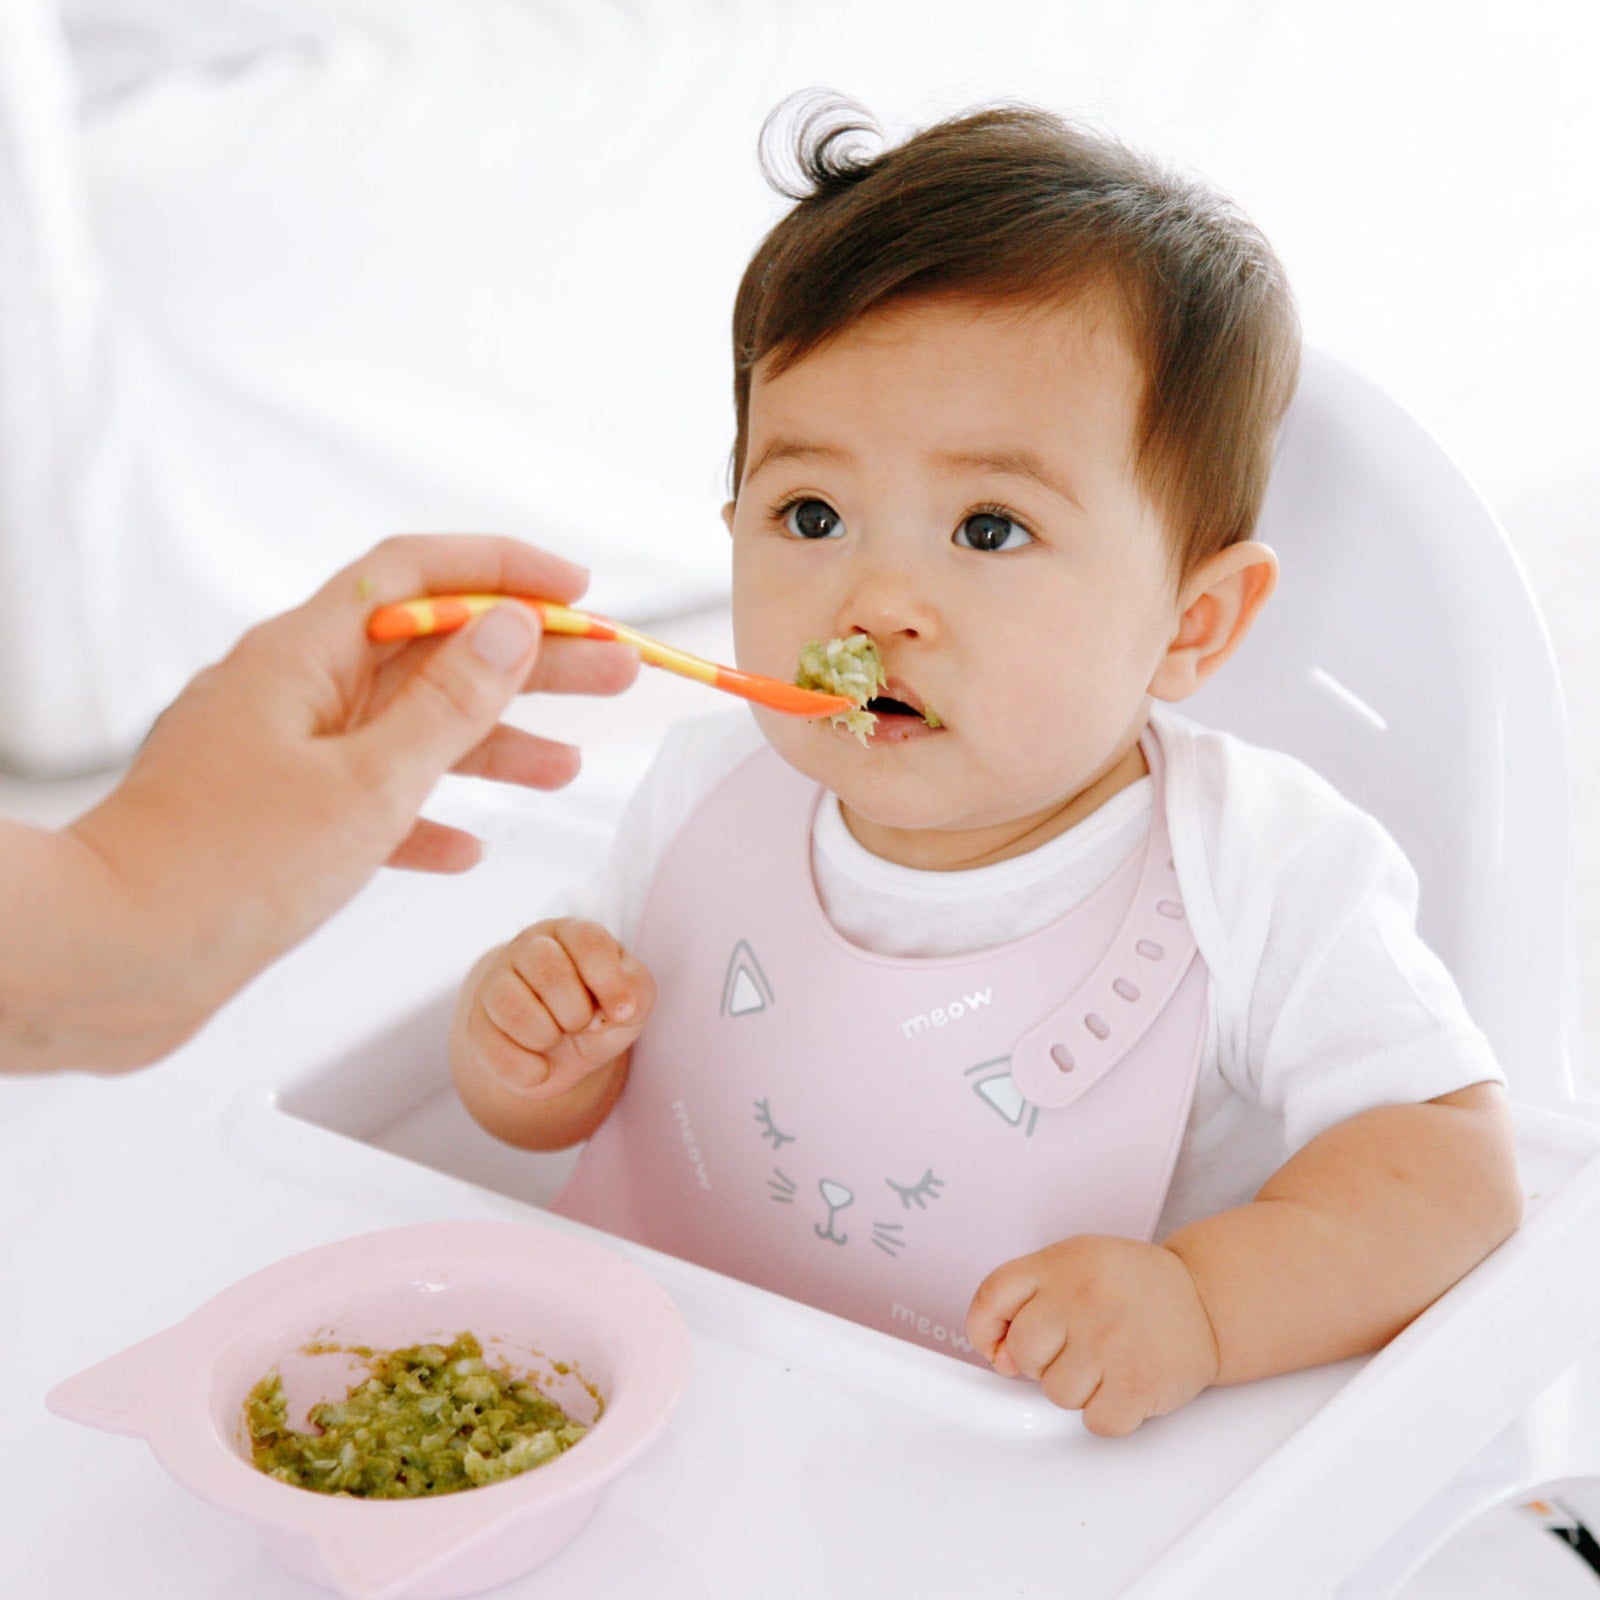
582	666
412	564
331	625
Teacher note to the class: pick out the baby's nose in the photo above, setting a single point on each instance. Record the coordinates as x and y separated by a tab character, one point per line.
885	604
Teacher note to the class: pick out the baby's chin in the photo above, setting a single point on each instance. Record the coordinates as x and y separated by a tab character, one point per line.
895	783
936	842
944	826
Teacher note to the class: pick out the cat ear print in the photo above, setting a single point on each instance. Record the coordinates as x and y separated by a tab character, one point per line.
1000	1093
745	988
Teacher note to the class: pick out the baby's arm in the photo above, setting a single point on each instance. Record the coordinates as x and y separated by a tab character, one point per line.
542	1031
1357	1233
1343	1246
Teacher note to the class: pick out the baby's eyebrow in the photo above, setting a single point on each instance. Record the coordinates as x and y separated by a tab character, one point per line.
781	449
1012	464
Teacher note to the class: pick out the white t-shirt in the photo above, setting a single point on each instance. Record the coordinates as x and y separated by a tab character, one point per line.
1324	999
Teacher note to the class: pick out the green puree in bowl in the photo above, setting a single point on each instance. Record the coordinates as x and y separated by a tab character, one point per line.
429	1419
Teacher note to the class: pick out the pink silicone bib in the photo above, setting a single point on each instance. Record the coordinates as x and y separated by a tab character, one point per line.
874	1135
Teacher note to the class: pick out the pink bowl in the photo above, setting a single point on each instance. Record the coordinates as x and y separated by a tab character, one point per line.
534	1296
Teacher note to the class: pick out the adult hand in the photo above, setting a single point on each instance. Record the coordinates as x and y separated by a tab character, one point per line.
404	714
279	781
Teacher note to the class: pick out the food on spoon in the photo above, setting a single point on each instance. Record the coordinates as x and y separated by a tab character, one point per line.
852	667
428	1419
844	666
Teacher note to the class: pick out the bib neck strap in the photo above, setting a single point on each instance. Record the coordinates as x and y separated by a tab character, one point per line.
1075	1045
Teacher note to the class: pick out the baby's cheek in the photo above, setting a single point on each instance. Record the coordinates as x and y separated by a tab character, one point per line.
811	748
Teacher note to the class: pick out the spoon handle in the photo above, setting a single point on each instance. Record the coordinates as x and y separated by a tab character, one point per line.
444	613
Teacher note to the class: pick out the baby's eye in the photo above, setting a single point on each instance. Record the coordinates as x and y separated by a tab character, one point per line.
989	530
813	519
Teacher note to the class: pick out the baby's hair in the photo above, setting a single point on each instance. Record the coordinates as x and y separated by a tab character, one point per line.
1017	206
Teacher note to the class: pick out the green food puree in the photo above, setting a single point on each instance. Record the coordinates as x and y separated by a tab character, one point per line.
429	1419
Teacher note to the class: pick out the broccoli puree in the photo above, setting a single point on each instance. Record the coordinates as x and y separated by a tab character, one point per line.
853	667
429	1419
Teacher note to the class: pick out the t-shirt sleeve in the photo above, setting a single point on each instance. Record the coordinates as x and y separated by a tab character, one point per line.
694	757
1329	1001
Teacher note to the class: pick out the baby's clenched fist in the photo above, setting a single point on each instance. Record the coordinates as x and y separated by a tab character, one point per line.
560	1001
1114	1328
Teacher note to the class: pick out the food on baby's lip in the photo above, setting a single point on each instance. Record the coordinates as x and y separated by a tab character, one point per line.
428	1419
851	667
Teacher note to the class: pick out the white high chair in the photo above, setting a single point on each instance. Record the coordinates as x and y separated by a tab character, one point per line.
1404	657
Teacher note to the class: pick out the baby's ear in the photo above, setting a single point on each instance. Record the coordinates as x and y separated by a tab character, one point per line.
727	516
1217	605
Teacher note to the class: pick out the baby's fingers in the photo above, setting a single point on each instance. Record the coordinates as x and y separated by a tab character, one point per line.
619	988
641	990
499	1055
999	1298
562	1000
1024	1330
519	1006
550	960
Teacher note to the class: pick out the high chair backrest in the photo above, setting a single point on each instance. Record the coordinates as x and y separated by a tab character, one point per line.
1403	656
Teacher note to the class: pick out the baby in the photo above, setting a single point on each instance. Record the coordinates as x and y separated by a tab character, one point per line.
940	1030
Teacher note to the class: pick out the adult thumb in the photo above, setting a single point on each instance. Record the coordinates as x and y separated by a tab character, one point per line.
453	700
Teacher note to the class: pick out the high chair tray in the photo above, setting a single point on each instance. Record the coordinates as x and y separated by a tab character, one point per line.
809	1457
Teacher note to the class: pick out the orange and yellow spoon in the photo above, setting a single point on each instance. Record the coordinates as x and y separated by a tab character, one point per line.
444	613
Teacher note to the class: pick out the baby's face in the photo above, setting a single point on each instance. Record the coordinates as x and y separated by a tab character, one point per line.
956	480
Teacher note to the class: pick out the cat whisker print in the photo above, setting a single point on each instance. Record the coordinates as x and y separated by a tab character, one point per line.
889	1237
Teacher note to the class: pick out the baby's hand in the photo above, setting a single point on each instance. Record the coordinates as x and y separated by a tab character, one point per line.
560	1001
1114	1328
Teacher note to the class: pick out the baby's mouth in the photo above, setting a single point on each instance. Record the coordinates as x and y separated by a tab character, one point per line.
886	706
853	666
901	700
